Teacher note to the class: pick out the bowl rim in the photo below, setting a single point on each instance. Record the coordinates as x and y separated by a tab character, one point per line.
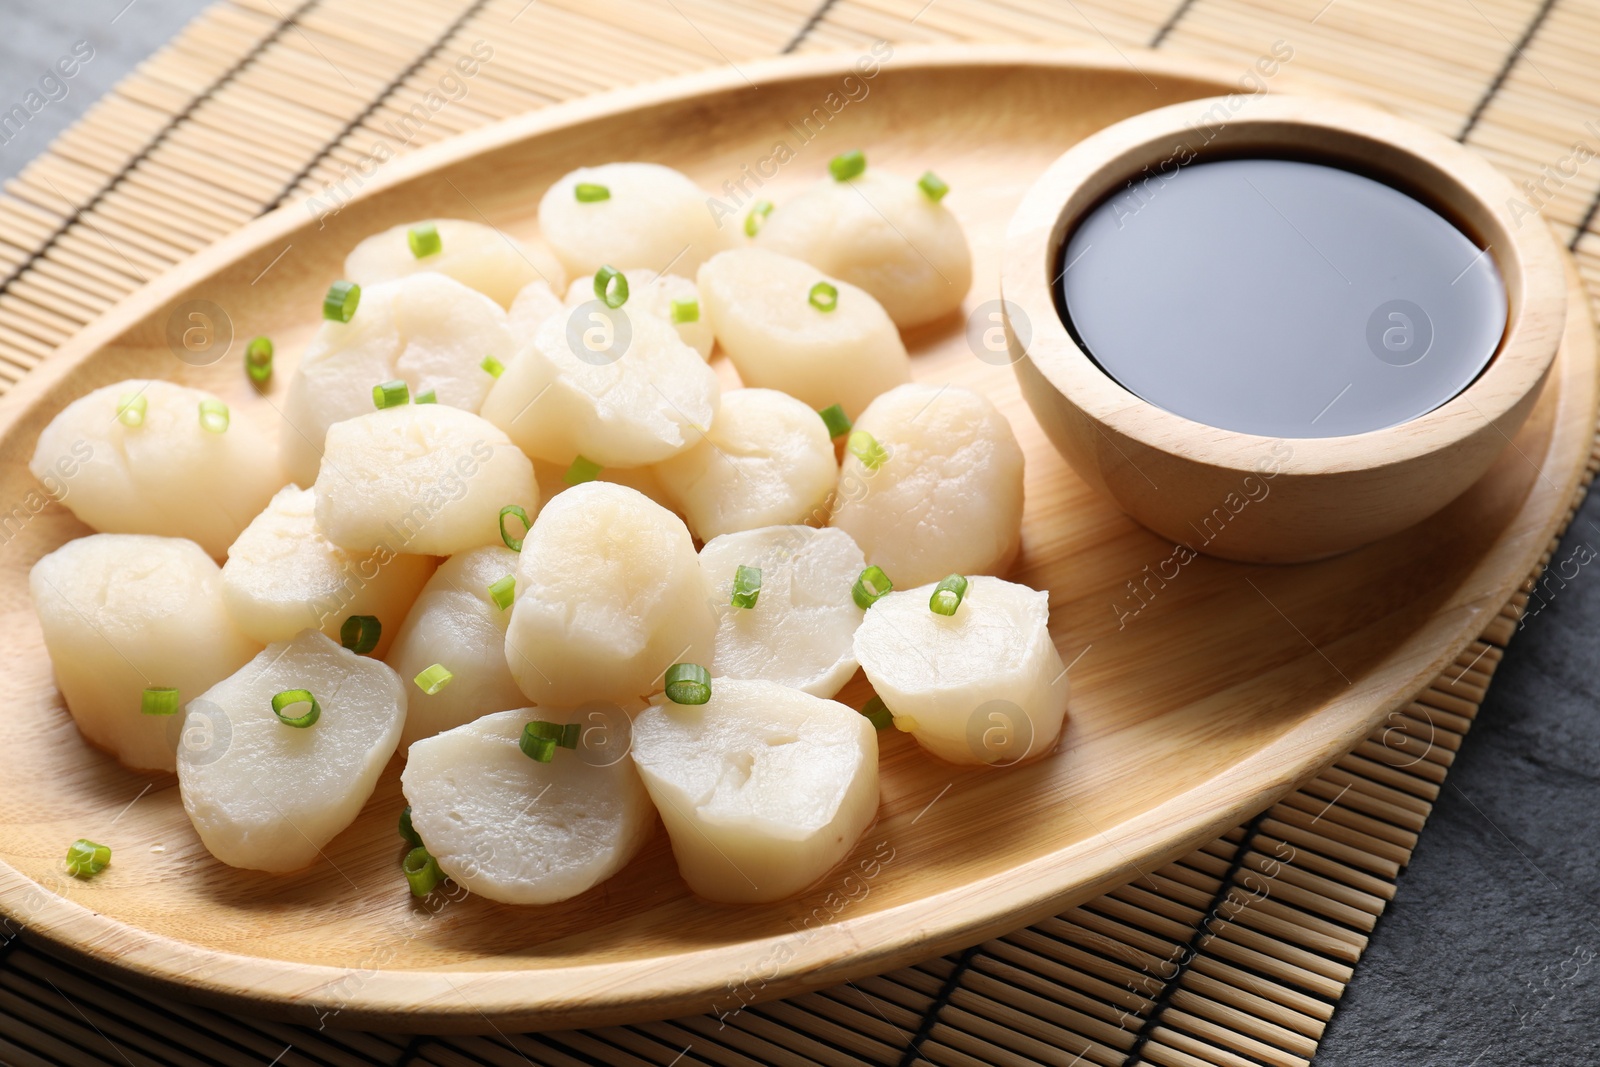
1366	140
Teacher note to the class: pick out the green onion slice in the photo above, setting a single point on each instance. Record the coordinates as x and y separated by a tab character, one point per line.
823	296
294	698
746	586
131	409
867	449
757	217
85	859
582	470
611	286
341	302
159	700
947	595
540	739
539	749
422	871
434	678
213	416
408	831
871	586
493	366
685	311
847	166
514	543
834	418
590	193
391	394
878	713
688	683
360	633
424	240
503	591
258	359
933	185
427	396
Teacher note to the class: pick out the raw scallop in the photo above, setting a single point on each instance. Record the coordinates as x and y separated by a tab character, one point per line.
479	256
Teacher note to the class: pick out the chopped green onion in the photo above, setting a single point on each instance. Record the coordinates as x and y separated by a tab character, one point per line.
503	591
85	859
823	296
213	416
688	683
757	217
391	394
582	470
424	240
408	831
360	633
159	700
293	698
611	286
746	586
131	408
434	678
867	449
589	193
837	422
340	304
847	166
872	586
685	311
427	396
878	713
571	733
514	543
258	360
422	871
539	749
493	366
933	185
540	739
947	595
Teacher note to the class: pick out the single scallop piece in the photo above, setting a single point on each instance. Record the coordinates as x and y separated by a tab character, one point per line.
609	595
284	576
533	305
761	306
424	479
268	796
669	297
618	388
762	788
622	213
883	233
457	623
166	473
511	829
766	461
121	613
801	630
426	330
940	490
474	254
985	685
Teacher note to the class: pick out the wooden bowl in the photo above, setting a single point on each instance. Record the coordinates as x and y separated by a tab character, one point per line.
1182	478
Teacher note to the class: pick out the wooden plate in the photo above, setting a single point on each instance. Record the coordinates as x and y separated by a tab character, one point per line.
1228	686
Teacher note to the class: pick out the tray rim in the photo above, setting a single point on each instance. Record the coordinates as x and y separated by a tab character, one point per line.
593	994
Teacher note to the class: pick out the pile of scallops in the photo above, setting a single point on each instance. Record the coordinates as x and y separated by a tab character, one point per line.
515	526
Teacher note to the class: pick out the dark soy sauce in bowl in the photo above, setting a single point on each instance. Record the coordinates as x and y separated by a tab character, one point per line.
1281	298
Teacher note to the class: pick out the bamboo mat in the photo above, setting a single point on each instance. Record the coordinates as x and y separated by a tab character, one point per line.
1234	955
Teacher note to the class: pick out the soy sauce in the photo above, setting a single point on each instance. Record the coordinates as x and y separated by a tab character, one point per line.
1281	298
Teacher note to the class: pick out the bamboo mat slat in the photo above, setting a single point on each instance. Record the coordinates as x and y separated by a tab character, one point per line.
1233	955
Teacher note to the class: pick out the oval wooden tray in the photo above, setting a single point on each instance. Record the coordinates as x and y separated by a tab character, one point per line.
1227	687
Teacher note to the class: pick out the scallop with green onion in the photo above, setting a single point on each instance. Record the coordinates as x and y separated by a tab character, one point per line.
281	756
474	254
630	213
135	626
788	326
519	830
460	621
669	297
982	684
762	788
609	595
151	457
283	576
932	484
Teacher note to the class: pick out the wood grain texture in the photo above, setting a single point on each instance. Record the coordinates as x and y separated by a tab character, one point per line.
1231	686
